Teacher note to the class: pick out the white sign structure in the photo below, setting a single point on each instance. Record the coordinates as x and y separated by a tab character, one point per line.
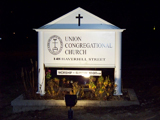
79	39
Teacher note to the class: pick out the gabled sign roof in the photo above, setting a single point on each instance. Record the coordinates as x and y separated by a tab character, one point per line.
79	19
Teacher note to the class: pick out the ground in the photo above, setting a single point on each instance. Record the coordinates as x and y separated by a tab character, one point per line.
141	75
149	112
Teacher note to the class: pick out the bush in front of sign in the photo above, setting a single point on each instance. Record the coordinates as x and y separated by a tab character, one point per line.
48	74
75	89
98	89
52	89
29	79
102	88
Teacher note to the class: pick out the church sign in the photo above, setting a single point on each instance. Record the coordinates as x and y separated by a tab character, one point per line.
79	39
79	49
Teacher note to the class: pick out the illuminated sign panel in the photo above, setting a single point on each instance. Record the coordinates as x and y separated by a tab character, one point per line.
80	72
79	48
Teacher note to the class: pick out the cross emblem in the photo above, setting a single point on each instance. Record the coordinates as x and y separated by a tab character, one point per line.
79	18
54	48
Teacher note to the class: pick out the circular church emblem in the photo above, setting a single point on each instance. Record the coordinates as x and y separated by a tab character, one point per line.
55	45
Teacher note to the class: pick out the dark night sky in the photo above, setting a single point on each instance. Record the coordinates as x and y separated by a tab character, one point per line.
137	17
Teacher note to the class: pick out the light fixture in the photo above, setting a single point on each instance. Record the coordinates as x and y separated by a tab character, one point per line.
86	75
70	101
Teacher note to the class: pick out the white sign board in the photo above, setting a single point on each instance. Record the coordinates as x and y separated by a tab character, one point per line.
79	48
80	72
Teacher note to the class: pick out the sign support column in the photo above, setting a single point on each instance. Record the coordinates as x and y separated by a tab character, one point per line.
117	70
41	69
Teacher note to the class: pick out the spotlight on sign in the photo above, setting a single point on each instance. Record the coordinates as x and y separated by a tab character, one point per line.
71	101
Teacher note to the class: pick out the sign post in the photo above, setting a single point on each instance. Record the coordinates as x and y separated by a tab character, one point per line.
117	72
92	43
41	69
